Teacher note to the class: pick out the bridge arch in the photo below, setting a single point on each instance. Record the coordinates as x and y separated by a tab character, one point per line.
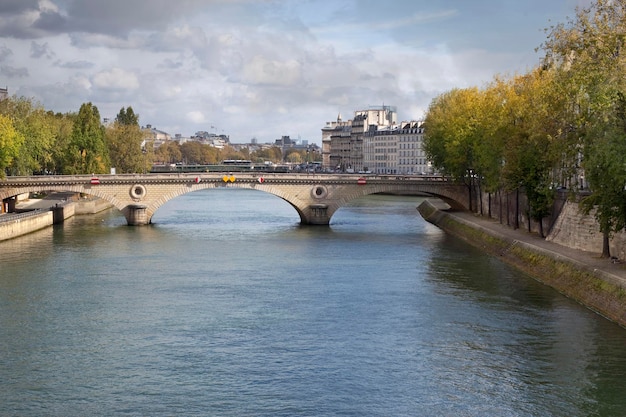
315	198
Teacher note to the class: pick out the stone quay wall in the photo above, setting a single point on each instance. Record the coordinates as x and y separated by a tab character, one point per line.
594	288
25	224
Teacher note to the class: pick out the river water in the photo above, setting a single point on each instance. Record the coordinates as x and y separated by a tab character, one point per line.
226	306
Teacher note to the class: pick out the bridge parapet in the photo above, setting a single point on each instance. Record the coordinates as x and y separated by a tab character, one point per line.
316	197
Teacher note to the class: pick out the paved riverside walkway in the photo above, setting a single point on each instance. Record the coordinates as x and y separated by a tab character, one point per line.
590	261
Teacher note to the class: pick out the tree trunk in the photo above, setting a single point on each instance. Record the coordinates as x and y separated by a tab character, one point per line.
480	197
508	209
528	216
516	209
606	253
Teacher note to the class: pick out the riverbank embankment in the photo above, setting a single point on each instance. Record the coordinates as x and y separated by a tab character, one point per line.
592	281
38	214
12	226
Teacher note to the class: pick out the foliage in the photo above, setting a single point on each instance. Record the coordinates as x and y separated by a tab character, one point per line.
588	53
273	154
294	157
124	139
10	143
193	152
127	117
62	126
537	130
168	153
452	128
228	152
605	170
33	123
87	152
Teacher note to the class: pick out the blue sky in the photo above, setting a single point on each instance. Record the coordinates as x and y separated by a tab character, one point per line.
261	68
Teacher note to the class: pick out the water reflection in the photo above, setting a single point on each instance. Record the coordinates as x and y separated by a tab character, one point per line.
226	305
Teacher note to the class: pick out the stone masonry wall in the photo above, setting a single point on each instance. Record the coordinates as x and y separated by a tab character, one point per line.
575	230
22	226
567	227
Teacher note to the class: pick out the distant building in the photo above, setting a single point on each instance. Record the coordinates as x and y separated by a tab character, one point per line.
155	134
333	130
4	93
411	156
343	142
287	145
285	142
395	149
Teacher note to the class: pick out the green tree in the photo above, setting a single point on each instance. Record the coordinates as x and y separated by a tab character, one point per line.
127	117
87	152
62	125
454	126
10	143
529	157
32	121
605	170
124	139
588	53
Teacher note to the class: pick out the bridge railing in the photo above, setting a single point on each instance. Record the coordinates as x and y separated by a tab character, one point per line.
68	179
7	217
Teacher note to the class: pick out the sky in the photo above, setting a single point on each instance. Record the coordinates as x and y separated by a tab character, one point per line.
264	68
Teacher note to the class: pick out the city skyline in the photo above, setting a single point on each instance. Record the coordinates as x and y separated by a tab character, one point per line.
263	69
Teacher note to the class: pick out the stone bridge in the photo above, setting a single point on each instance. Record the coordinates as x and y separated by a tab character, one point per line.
316	197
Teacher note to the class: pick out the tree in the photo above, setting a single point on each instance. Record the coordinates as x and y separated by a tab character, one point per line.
588	52
294	157
32	122
529	157
453	128
228	152
127	117
87	152
124	140
62	126
273	154
197	153
168	153
10	143
605	170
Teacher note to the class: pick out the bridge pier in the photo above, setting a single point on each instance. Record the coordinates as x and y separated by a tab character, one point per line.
136	215
8	205
317	215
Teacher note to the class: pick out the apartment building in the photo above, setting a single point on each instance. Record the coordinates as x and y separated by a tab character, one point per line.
395	149
332	133
343	142
411	156
373	141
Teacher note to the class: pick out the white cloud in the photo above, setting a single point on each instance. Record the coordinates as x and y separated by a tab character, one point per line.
116	79
262	68
196	117
265	71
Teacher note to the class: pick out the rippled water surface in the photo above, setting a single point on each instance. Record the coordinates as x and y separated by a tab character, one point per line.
226	306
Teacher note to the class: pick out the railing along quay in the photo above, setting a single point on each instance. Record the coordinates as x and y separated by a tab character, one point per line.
8	217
